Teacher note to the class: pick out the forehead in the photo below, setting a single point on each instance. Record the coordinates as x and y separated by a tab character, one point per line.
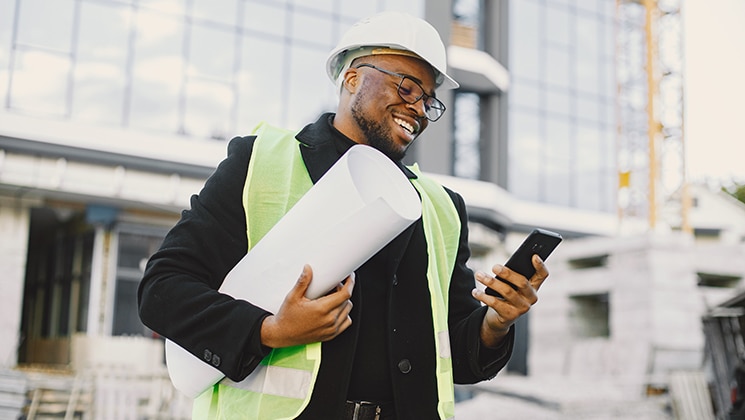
418	69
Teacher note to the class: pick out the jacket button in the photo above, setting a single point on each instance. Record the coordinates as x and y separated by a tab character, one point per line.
404	366
395	280
207	355
215	360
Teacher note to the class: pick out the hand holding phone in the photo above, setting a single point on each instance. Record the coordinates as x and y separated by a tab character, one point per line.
539	241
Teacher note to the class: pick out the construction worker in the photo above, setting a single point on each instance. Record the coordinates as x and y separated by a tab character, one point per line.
392	339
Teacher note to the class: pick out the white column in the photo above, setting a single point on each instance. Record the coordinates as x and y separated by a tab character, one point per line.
103	282
14	231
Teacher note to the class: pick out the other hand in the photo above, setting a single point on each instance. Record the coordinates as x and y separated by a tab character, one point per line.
515	301
302	321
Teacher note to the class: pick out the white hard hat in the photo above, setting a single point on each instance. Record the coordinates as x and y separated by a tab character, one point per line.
391	33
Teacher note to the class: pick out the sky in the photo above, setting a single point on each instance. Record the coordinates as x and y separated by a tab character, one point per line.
715	90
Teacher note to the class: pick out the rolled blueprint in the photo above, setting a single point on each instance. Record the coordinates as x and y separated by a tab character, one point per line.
351	213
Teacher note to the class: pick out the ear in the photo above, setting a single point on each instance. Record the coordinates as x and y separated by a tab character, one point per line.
351	80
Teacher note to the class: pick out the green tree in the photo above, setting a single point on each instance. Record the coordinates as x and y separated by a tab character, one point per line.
736	190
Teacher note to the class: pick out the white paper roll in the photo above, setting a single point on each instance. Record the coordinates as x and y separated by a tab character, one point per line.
351	213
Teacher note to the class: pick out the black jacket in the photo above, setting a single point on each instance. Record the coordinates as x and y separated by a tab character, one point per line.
389	349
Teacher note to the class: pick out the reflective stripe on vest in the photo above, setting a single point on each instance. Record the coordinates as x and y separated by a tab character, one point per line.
281	386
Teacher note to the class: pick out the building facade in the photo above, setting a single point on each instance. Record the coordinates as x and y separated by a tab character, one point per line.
115	111
562	135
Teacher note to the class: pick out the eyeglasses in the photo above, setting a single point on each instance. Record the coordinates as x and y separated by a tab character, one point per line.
411	92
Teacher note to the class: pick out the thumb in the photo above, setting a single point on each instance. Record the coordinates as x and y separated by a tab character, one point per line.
301	286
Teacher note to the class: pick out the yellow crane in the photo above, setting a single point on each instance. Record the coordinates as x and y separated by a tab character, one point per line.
650	112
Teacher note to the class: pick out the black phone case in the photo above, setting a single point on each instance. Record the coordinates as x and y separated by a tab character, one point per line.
539	241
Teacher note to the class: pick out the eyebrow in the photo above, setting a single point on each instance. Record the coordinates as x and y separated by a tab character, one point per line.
419	82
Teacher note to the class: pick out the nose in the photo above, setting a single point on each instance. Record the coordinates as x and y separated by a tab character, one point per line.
419	109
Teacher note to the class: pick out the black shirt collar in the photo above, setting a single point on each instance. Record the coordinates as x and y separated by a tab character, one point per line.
322	132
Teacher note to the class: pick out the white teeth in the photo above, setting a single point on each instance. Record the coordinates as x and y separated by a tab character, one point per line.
405	125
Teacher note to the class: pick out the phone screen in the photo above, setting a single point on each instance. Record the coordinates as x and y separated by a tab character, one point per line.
539	241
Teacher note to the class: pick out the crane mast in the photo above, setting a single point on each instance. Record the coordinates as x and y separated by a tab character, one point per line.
650	113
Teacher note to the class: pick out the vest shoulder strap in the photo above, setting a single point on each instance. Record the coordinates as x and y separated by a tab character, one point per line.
281	184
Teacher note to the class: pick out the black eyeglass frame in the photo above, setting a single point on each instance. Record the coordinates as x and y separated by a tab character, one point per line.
435	105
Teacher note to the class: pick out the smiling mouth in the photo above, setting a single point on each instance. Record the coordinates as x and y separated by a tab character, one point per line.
406	126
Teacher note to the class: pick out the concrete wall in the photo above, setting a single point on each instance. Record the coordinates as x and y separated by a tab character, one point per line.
655	307
14	230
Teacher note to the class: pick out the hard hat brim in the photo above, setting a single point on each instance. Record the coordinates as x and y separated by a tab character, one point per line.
340	59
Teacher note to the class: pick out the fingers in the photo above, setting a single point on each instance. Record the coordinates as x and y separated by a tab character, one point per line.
349	283
511	285
340	308
511	279
536	281
494	284
541	272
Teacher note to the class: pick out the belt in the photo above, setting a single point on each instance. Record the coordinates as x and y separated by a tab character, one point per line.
365	410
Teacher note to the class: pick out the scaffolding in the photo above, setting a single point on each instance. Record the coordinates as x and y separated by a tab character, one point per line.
651	153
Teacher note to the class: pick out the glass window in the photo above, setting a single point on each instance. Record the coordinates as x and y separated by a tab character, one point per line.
7	12
261	83
100	78
608	113
412	7
308	85
211	52
523	93
609	85
46	23
589	316
134	250
559	102
326	6
157	72
358	9
222	11
558	68
40	82
525	152
558	161
561	3
607	40
267	18
126	319
175	7
526	47
592	6
588	174
208	109
315	28
608	9
467	136
558	26
609	170
588	58
589	109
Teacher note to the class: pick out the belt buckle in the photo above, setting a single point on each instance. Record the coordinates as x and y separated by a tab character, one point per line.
359	404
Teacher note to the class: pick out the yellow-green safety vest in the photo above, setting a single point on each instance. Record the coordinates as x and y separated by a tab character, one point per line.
281	386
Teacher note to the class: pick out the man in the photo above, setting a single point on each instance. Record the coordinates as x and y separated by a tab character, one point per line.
393	338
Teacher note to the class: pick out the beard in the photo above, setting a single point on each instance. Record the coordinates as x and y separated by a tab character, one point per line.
377	134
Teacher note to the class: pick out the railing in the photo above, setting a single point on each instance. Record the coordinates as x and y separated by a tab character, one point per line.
105	392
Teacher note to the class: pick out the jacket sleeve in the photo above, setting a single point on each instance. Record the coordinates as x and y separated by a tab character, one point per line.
178	296
472	361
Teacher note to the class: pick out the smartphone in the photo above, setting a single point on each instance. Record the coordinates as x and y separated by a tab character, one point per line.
539	241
